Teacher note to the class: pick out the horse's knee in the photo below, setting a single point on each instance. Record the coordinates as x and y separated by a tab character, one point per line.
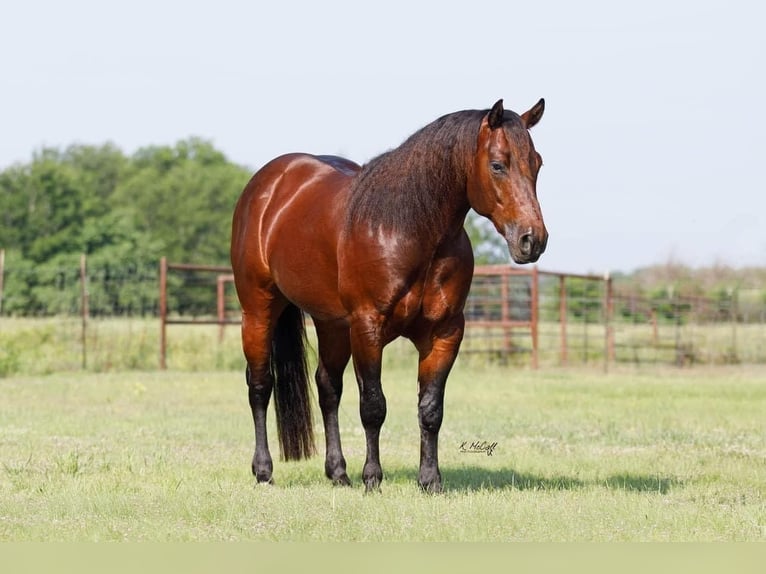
372	409
431	410
431	419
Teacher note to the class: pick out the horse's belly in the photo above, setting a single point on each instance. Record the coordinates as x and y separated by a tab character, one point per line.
316	294
306	272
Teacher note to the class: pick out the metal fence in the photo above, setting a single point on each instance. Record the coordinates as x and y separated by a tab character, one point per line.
514	315
549	318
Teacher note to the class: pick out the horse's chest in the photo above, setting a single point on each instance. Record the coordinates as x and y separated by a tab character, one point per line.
430	299
402	281
410	305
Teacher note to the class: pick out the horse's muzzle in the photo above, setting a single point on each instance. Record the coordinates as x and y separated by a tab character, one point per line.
526	245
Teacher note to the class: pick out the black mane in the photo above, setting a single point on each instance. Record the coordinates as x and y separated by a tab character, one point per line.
410	186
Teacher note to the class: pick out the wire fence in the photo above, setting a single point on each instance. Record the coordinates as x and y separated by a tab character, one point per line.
565	319
107	317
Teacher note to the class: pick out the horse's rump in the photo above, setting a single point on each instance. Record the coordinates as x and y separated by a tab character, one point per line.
286	229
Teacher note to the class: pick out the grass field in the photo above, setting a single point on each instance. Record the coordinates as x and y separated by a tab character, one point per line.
581	456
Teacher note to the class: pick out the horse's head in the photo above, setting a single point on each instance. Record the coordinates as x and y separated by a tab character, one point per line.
503	183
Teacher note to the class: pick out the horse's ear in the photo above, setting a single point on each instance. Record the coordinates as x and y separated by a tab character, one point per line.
495	116
533	115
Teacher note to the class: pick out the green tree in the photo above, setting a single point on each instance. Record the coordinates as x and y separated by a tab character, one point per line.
13	208
54	208
98	169
184	197
125	212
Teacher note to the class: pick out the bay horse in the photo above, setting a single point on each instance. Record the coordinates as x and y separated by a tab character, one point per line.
373	253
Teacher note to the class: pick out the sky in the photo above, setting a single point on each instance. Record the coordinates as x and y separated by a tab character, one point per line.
653	138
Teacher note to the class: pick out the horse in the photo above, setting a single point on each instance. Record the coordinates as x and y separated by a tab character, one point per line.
372	253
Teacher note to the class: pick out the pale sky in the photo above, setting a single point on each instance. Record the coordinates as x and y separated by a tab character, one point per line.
654	135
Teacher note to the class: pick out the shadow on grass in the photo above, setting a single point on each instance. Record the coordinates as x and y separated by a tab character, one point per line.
475	478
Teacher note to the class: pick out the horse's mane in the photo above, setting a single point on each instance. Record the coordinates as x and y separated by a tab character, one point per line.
407	187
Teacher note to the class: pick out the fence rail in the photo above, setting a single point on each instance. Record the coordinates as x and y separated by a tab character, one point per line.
514	315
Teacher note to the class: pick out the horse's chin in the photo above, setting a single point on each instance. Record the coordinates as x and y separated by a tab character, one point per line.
524	259
519	257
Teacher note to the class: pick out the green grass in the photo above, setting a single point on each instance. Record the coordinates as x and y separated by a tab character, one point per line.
636	455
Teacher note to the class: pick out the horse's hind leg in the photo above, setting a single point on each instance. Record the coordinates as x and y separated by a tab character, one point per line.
257	330
259	386
334	353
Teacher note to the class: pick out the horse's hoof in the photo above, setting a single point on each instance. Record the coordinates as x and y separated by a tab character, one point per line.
434	487
263	478
342	480
430	482
371	485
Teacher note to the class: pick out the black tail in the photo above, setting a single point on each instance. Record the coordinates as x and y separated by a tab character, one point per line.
295	425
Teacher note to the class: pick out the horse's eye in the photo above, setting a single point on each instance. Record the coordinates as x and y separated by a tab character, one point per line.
496	167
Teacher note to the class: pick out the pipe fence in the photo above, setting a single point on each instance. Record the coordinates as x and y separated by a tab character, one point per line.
102	317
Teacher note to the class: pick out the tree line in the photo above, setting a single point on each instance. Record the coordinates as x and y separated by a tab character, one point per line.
124	212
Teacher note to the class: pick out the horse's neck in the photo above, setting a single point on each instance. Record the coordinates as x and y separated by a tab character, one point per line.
454	208
419	193
454	217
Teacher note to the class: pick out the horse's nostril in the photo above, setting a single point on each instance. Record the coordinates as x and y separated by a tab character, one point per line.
526	243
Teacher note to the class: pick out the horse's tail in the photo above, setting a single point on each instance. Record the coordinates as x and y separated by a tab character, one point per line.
291	386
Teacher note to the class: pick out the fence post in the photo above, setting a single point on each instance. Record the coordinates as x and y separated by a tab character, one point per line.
84	309
733	317
535	309
563	319
2	274
608	338
163	311
675	307
220	295
505	315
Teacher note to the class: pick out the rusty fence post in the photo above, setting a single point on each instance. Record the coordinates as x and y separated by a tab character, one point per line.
563	319
163	311
84	311
608	334
505	315
734	317
221	302
535	315
2	275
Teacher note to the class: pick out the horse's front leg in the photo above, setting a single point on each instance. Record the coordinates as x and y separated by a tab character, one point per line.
438	350
367	352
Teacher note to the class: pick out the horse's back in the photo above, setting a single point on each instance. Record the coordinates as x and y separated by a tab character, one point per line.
343	165
286	227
